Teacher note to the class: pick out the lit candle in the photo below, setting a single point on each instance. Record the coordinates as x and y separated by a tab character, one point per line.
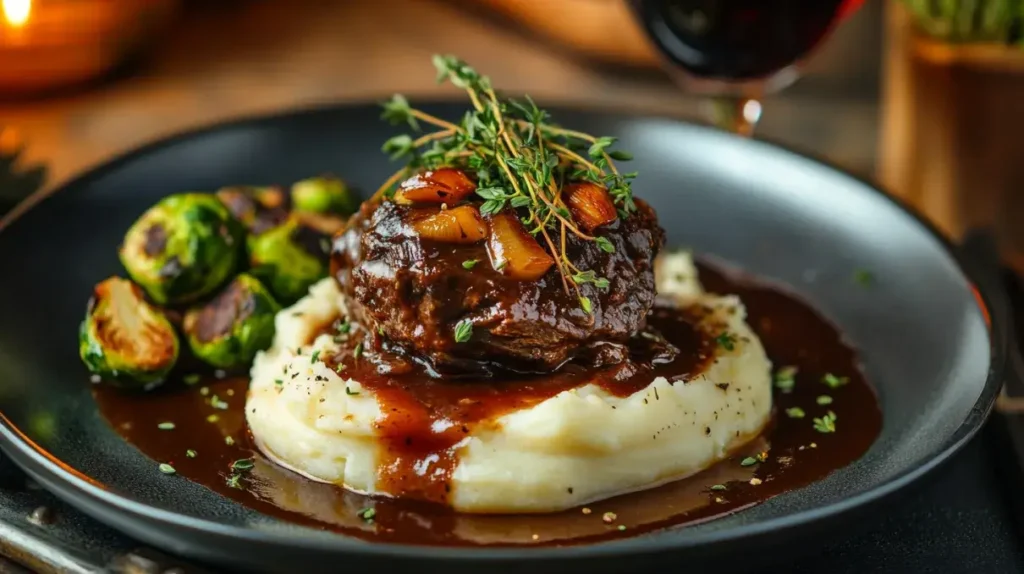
15	14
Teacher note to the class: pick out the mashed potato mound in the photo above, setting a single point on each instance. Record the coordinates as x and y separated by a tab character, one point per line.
575	447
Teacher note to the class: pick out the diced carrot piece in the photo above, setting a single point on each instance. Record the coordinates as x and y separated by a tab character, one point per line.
514	251
590	204
445	185
462	224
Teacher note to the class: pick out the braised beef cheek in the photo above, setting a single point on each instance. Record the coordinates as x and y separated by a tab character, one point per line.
411	292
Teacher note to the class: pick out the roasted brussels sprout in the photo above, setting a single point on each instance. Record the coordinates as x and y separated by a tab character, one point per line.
257	208
227	331
289	259
124	339
182	248
324	194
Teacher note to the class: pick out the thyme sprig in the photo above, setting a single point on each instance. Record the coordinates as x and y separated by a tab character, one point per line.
521	161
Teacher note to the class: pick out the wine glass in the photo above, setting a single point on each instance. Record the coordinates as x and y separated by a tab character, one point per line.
736	51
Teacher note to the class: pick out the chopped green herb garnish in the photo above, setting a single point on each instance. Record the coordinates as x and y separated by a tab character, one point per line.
357	351
463	331
191	379
826	424
278	382
166	468
314	356
190	453
165	426
212	418
833	381
795	413
339	368
749	461
345	327
229	441
864	277
367	513
204	391
622	527
785	379
242	464
726	340
469	263
380	330
217	403
234	481
824	400
349	391
717	487
762	456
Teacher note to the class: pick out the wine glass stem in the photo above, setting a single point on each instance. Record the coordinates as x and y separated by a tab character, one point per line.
737	114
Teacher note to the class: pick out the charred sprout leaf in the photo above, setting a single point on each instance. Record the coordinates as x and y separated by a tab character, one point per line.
182	248
325	194
124	339
463	331
257	208
288	260
231	328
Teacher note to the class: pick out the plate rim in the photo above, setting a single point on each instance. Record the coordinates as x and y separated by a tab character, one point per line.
72	486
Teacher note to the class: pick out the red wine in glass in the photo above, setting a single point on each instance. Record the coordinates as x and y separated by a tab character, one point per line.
736	50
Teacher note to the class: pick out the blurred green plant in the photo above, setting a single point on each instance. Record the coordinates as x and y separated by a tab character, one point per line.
17	183
962	21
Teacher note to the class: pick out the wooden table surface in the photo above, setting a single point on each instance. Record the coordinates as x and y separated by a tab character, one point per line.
266	56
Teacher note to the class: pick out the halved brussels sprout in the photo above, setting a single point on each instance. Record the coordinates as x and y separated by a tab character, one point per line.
182	248
289	259
227	331
325	194
124	339
257	208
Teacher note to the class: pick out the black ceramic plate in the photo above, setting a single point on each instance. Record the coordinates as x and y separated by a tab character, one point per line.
923	336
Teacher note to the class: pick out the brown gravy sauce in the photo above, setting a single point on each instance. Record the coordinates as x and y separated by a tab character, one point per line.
427	418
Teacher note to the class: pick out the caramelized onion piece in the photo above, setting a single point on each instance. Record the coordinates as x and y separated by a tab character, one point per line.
461	224
515	251
444	185
590	204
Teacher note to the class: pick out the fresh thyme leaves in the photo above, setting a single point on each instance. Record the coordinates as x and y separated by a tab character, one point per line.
314	356
463	331
521	160
826	424
717	487
190	453
367	514
165	426
469	263
591	277
191	379
357	351
795	413
344	328
824	400
166	468
749	461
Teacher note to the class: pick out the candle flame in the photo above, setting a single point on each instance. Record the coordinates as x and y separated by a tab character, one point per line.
16	12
